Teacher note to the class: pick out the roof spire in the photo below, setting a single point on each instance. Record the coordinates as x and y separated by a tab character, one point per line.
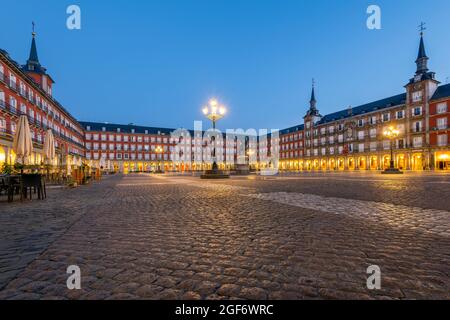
422	59
313	95
312	103
33	59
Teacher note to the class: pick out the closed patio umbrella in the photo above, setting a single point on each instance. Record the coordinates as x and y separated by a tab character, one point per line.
49	146
22	144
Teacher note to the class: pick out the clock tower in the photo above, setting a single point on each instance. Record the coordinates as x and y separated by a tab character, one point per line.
419	92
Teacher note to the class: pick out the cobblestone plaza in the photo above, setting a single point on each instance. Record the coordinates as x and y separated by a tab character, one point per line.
309	236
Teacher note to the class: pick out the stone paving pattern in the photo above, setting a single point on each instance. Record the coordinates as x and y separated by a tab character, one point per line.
144	237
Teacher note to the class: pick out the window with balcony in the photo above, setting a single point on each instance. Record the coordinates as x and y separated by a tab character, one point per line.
341	138
361	147
442	140
417	111
441	108
441	123
417	126
373	146
2	125
13	103
361	135
12	81
417	142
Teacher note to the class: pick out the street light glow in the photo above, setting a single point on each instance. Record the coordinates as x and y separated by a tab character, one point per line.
213	102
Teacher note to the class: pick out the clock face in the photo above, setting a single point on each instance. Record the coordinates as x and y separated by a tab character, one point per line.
418	77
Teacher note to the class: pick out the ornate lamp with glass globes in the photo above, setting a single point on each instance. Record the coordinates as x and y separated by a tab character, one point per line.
214	112
391	133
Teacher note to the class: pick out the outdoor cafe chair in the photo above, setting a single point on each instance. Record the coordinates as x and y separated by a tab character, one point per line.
32	182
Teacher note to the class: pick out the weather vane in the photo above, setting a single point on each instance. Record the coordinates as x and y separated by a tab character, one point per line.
33	27
422	28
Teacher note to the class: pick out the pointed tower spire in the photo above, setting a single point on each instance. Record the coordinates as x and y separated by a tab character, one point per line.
313	102
33	64
33	59
422	59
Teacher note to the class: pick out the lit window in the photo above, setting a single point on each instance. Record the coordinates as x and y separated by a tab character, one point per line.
442	107
442	140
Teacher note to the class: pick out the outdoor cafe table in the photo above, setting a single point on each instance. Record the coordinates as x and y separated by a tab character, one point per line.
21	183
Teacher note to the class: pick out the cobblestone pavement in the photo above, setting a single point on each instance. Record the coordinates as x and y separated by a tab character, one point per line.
293	237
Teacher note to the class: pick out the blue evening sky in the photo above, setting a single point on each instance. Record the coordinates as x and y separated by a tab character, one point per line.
156	62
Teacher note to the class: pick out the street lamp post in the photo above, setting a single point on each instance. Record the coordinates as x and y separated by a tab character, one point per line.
391	133
159	150
214	112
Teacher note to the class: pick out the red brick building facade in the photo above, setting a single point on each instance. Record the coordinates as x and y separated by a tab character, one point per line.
27	89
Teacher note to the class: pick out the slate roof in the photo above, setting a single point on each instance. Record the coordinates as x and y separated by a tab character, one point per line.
366	108
292	129
442	92
111	127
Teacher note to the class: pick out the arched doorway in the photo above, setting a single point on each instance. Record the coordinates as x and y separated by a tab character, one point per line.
373	163
362	163
417	162
341	164
351	163
386	162
332	164
401	162
324	165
